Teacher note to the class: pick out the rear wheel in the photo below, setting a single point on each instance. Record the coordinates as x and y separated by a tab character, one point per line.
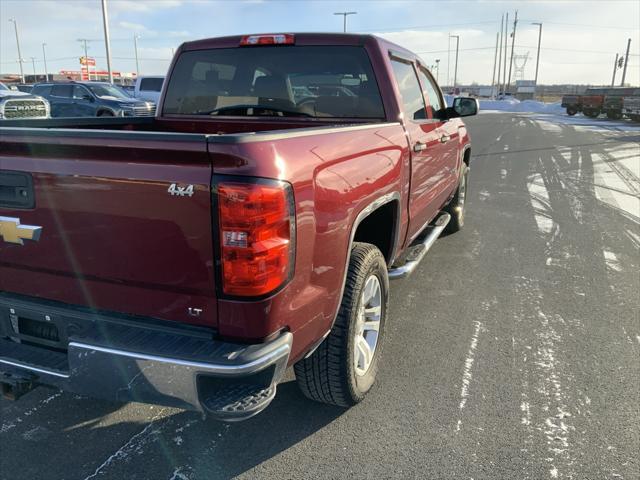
635	118
456	207
614	114
344	367
572	111
591	113
105	113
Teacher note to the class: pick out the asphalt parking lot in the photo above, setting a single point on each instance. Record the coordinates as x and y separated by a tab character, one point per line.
512	353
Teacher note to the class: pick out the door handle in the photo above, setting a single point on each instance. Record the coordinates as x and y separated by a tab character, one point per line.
445	138
419	147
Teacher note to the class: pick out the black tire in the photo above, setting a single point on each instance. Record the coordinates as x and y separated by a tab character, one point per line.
105	113
591	113
572	111
614	114
329	374
457	206
635	118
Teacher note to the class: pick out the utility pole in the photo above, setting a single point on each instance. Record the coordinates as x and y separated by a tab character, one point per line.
495	61
500	53
538	56
33	62
344	18
135	45
85	41
105	23
437	69
44	56
626	60
513	42
15	27
615	68
455	70
448	60
504	69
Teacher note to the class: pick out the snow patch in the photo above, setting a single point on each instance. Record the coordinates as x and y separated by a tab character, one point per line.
467	374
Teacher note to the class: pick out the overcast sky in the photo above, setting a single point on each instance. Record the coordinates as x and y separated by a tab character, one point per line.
579	39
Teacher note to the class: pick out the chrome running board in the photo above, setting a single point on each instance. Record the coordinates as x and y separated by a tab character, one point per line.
417	252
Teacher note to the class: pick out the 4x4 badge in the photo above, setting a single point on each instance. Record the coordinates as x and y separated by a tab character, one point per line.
12	232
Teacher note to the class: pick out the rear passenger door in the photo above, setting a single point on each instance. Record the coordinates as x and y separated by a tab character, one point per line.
425	147
447	132
61	100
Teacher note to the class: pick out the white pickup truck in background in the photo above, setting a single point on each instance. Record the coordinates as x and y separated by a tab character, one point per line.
148	88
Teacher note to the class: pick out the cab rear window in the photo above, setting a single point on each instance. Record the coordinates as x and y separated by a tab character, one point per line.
305	81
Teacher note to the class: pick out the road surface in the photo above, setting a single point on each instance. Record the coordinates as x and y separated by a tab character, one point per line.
513	352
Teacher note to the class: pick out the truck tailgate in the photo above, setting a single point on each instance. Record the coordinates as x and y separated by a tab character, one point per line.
113	237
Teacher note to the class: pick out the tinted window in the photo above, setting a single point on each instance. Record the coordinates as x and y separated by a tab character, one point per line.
80	92
409	90
431	93
106	90
62	91
42	90
151	84
317	81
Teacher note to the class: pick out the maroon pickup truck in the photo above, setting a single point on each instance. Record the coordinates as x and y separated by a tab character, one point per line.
188	259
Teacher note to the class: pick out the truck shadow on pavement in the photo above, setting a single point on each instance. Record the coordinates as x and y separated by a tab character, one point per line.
88	439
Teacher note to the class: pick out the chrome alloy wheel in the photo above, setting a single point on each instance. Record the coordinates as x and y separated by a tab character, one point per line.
462	195
368	325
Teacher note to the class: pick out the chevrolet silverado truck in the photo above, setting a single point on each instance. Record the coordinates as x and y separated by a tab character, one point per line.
189	259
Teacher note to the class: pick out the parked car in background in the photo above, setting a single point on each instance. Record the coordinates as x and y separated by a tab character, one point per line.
128	89
16	105
188	259
148	88
92	99
24	88
631	107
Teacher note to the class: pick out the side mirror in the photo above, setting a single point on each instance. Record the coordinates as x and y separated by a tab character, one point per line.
463	107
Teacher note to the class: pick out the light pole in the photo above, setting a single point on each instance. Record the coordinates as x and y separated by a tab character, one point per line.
495	61
538	56
513	44
44	57
15	27
105	23
33	62
455	69
344	20
626	61
615	67
135	45
437	69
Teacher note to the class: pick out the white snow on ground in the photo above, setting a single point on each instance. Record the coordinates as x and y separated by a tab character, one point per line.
616	175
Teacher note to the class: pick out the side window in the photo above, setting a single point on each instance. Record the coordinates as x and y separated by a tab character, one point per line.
432	94
151	84
42	90
62	91
410	91
80	92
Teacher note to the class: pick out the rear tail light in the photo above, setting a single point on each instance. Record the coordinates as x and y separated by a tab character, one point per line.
270	39
257	236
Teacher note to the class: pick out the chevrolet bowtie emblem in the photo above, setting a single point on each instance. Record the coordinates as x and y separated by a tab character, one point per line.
12	232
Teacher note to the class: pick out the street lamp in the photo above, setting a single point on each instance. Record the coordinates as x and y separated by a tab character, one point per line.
455	70
15	27
44	56
345	15
538	56
135	45
107	44
33	62
437	69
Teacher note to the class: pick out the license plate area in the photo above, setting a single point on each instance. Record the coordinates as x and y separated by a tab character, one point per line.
16	190
37	328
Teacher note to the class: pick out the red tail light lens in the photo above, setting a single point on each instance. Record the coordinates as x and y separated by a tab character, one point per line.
257	236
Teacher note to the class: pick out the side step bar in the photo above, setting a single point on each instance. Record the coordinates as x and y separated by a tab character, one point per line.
419	250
